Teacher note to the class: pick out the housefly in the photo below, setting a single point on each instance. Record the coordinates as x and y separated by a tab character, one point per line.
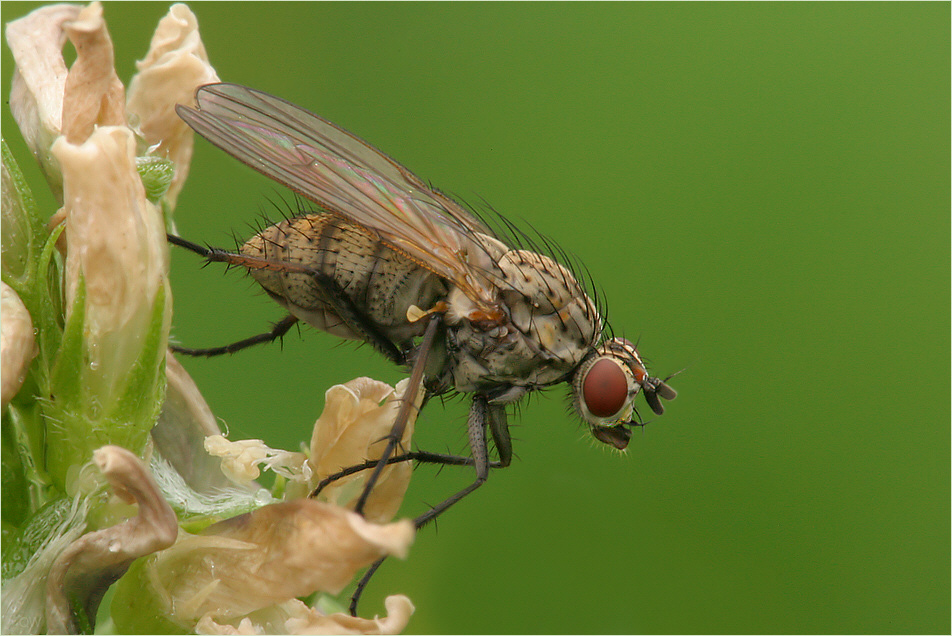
386	259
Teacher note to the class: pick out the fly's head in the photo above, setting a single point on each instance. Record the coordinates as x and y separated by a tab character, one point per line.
604	388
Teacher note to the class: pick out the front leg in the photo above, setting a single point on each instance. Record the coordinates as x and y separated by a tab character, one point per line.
477	444
403	415
479	415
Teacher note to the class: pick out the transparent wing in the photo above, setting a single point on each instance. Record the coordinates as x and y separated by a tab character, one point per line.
349	177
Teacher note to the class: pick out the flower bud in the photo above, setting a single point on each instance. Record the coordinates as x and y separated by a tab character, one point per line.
17	345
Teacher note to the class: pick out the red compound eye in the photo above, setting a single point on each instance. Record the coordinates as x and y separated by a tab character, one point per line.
605	388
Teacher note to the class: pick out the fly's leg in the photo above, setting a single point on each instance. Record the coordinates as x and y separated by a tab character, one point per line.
478	417
278	331
499	427
343	307
422	457
334	295
400	422
481	412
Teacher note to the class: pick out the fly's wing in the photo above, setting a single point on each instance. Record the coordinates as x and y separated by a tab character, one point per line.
349	177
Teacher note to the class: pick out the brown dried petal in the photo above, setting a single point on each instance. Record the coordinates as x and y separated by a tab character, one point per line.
294	617
94	96
84	570
270	556
184	423
399	610
187	398
240	459
39	80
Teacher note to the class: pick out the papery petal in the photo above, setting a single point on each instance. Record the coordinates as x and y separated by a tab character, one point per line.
245	627
354	417
353	427
298	618
240	459
270	556
393	539
83	571
17	344
175	66
110	369
186	397
39	81
94	96
399	610
48	534
180	432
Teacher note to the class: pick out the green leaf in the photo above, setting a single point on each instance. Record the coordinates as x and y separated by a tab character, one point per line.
23	230
141	401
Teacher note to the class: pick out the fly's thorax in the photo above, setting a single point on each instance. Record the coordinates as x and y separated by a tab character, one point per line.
545	300
550	325
382	284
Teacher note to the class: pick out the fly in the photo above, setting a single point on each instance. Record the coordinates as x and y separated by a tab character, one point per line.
391	261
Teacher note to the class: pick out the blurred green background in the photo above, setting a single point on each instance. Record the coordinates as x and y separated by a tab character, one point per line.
763	192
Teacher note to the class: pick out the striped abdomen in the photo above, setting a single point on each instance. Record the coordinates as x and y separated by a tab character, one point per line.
381	284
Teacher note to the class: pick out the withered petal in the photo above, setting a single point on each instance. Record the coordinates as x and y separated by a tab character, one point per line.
84	570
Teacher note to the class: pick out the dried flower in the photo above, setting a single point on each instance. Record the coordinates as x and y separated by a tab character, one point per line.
118	308
174	66
352	429
39	81
294	617
117	293
83	571
101	315
261	559
240	459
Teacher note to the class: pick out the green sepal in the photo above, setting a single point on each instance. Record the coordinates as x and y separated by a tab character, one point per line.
24	476
69	433
34	536
140	402
15	507
136	607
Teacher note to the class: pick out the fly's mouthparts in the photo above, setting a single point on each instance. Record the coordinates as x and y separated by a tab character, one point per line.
616	436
